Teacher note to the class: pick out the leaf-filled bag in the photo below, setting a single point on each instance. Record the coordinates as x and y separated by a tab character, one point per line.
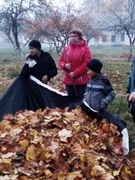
121	126
32	94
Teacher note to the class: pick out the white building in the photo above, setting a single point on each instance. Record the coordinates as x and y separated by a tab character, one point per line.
105	22
111	38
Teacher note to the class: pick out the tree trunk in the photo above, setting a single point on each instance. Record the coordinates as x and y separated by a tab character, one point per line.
19	53
130	53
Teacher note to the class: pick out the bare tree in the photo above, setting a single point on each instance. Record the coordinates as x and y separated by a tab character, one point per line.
88	24
121	16
53	24
13	17
93	5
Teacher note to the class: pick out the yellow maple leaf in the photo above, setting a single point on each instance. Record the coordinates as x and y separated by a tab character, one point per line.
73	175
110	141
48	173
62	176
108	176
116	172
24	144
106	127
4	123
7	161
97	170
127	171
37	139
76	126
31	153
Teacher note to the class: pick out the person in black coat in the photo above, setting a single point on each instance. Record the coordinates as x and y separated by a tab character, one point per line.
28	90
39	64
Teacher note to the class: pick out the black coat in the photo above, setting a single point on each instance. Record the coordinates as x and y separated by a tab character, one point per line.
45	66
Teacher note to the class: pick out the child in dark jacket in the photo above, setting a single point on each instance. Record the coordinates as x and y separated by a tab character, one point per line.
99	92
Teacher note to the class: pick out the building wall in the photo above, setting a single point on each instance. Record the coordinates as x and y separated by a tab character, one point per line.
110	38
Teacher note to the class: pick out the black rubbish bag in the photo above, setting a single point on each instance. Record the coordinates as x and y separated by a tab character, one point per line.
121	127
13	98
85	108
112	118
32	94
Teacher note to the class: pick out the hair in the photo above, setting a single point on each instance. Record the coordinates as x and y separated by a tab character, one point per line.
78	32
35	44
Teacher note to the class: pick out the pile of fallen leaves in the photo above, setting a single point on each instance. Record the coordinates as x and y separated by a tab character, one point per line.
57	144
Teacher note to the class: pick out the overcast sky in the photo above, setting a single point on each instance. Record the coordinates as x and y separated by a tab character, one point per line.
77	3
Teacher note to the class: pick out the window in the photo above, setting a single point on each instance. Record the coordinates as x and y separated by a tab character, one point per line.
104	38
113	38
122	37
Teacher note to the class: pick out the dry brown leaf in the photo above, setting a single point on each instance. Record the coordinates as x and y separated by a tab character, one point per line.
64	134
98	171
24	144
73	175
66	145
31	153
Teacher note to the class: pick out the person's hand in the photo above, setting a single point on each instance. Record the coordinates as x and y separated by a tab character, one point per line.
127	96
44	78
68	66
72	75
102	106
132	97
29	59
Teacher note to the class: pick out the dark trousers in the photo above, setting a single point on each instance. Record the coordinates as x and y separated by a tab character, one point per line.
133	110
77	90
133	115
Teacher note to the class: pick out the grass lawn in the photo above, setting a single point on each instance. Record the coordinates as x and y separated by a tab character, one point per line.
116	67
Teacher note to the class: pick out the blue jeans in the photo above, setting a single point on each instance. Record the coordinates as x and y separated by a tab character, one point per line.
77	90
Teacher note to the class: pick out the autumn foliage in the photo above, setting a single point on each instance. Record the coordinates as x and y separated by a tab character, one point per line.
61	144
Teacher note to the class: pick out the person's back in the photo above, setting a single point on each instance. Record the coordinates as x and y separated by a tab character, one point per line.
99	92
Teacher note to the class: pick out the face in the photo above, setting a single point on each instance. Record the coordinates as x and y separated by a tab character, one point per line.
74	38
91	73
34	51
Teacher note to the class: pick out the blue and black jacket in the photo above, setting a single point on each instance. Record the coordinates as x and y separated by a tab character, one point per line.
99	91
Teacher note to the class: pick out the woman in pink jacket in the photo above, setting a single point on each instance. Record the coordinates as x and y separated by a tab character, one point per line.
73	61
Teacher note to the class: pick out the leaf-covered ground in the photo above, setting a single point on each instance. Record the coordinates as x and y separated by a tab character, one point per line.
57	144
